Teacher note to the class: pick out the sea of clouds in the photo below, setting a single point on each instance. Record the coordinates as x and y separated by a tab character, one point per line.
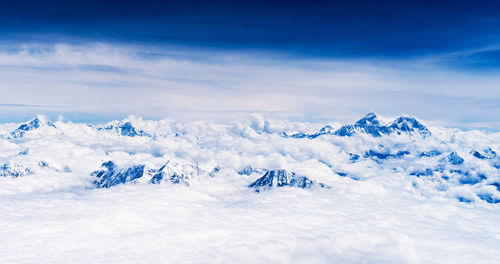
372	209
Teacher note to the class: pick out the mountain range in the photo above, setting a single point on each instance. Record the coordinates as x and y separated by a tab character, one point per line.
456	164
371	125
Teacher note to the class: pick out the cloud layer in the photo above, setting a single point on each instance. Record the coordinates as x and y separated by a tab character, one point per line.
105	81
376	212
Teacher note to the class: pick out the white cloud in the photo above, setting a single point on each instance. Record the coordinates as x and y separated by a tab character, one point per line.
107	81
56	216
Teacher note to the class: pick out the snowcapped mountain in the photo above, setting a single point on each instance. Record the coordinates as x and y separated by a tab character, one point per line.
371	125
171	172
451	163
485	154
280	178
33	124
370	119
408	125
110	175
124	129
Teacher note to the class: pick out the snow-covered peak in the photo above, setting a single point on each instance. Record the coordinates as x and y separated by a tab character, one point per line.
33	124
280	178
372	125
171	171
326	130
124	128
369	124
405	124
38	121
370	119
127	129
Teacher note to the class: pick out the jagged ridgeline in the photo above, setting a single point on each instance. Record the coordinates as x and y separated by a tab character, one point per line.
371	125
281	178
261	156
170	172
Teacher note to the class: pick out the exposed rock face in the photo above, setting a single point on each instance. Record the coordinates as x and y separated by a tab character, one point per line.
171	172
249	170
111	175
14	170
280	178
486	154
174	172
430	154
408	125
454	159
125	129
383	155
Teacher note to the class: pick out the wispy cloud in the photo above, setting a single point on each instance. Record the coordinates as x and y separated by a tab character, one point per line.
111	81
33	106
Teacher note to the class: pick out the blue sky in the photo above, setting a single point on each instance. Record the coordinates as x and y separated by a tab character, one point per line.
309	28
94	59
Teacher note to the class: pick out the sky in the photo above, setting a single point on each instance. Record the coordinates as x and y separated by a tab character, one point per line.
96	61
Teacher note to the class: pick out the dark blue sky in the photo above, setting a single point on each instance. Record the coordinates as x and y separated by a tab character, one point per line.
311	28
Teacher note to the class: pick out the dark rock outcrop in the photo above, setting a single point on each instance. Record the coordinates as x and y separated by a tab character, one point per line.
280	178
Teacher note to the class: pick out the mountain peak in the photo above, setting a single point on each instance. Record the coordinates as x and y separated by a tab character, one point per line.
36	122
408	125
370	119
124	128
371	125
280	178
127	129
